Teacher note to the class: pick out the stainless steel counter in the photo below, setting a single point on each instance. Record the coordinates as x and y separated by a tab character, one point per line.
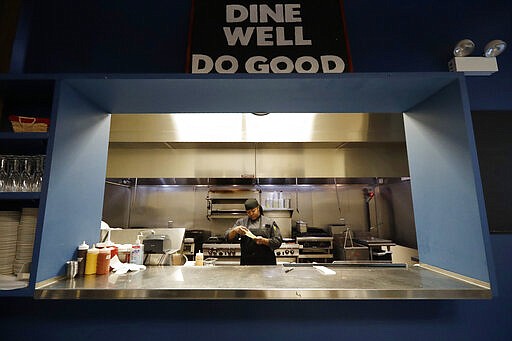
267	282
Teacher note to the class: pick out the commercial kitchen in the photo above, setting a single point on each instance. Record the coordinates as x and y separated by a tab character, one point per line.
373	179
145	204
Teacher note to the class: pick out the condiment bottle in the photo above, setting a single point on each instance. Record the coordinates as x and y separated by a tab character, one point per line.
92	258
199	258
137	254
103	261
81	257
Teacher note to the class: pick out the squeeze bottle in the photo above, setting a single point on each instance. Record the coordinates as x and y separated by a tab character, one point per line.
81	258
199	258
90	262
103	261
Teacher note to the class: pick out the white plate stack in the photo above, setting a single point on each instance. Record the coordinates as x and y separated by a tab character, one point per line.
9	221
25	239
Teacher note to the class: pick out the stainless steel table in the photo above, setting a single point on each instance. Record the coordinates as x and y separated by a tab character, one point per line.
266	282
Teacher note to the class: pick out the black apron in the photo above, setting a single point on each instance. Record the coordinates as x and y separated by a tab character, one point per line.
254	254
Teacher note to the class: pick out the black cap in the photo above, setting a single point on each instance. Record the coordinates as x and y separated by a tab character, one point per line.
250	204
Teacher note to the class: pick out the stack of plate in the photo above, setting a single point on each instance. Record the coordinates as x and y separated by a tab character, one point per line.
9	221
25	239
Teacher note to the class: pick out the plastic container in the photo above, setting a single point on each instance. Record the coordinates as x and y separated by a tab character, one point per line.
91	260
199	258
103	261
81	257
137	254
113	249
123	253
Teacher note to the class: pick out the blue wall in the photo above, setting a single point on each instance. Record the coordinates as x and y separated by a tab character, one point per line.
131	36
385	36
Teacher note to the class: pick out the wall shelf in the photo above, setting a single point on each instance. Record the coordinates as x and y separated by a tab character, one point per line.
23	136
20	195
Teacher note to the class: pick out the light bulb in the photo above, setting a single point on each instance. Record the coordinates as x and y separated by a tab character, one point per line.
494	48
463	48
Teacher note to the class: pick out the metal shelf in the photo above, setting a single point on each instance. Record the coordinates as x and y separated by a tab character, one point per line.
23	136
20	195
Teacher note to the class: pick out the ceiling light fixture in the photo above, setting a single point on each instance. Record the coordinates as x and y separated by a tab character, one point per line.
476	66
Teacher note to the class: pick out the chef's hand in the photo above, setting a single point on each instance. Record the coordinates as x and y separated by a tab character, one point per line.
262	241
241	230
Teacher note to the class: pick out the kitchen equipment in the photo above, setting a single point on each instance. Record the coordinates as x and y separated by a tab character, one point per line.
157	244
200	237
229	253
227	202
189	247
175	236
352	251
375	248
287	253
315	249
226	253
301	226
222	250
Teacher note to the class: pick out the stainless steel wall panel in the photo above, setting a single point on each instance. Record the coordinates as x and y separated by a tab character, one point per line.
388	160
245	127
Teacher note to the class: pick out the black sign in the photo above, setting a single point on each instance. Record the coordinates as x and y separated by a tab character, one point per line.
255	36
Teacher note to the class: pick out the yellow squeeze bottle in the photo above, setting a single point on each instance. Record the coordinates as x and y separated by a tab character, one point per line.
90	262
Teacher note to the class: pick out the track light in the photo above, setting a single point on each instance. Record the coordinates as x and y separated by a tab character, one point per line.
476	66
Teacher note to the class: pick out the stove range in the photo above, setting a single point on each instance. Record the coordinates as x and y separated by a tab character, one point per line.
286	253
221	250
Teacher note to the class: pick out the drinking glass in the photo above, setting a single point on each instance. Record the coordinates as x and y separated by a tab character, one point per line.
26	174
14	176
38	173
3	173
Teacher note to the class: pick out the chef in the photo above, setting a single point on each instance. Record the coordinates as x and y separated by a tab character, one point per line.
259	236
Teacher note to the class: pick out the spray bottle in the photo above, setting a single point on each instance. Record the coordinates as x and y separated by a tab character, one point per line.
137	254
